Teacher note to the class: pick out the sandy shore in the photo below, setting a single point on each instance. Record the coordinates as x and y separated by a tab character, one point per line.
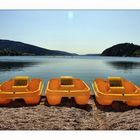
68	116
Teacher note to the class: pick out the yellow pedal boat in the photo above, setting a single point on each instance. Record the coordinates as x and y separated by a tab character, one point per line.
21	87
67	86
116	89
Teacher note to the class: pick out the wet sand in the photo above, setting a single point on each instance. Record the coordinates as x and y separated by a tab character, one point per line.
69	116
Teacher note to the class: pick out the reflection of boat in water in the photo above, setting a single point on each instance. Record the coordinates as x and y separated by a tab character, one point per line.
21	87
116	89
67	87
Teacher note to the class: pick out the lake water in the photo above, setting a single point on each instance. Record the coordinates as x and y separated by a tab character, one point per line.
84	67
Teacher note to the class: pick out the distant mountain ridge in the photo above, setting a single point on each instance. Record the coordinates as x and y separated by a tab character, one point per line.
123	49
15	48
11	48
92	54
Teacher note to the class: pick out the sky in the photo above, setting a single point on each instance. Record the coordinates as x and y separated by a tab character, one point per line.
77	31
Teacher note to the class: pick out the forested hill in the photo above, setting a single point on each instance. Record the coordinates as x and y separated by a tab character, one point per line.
11	48
123	49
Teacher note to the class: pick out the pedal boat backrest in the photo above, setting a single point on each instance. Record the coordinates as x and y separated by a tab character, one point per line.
66	81
116	85
20	84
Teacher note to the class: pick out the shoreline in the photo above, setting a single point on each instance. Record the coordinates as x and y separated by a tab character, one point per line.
68	116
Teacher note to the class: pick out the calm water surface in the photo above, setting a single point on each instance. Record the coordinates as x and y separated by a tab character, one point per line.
84	67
